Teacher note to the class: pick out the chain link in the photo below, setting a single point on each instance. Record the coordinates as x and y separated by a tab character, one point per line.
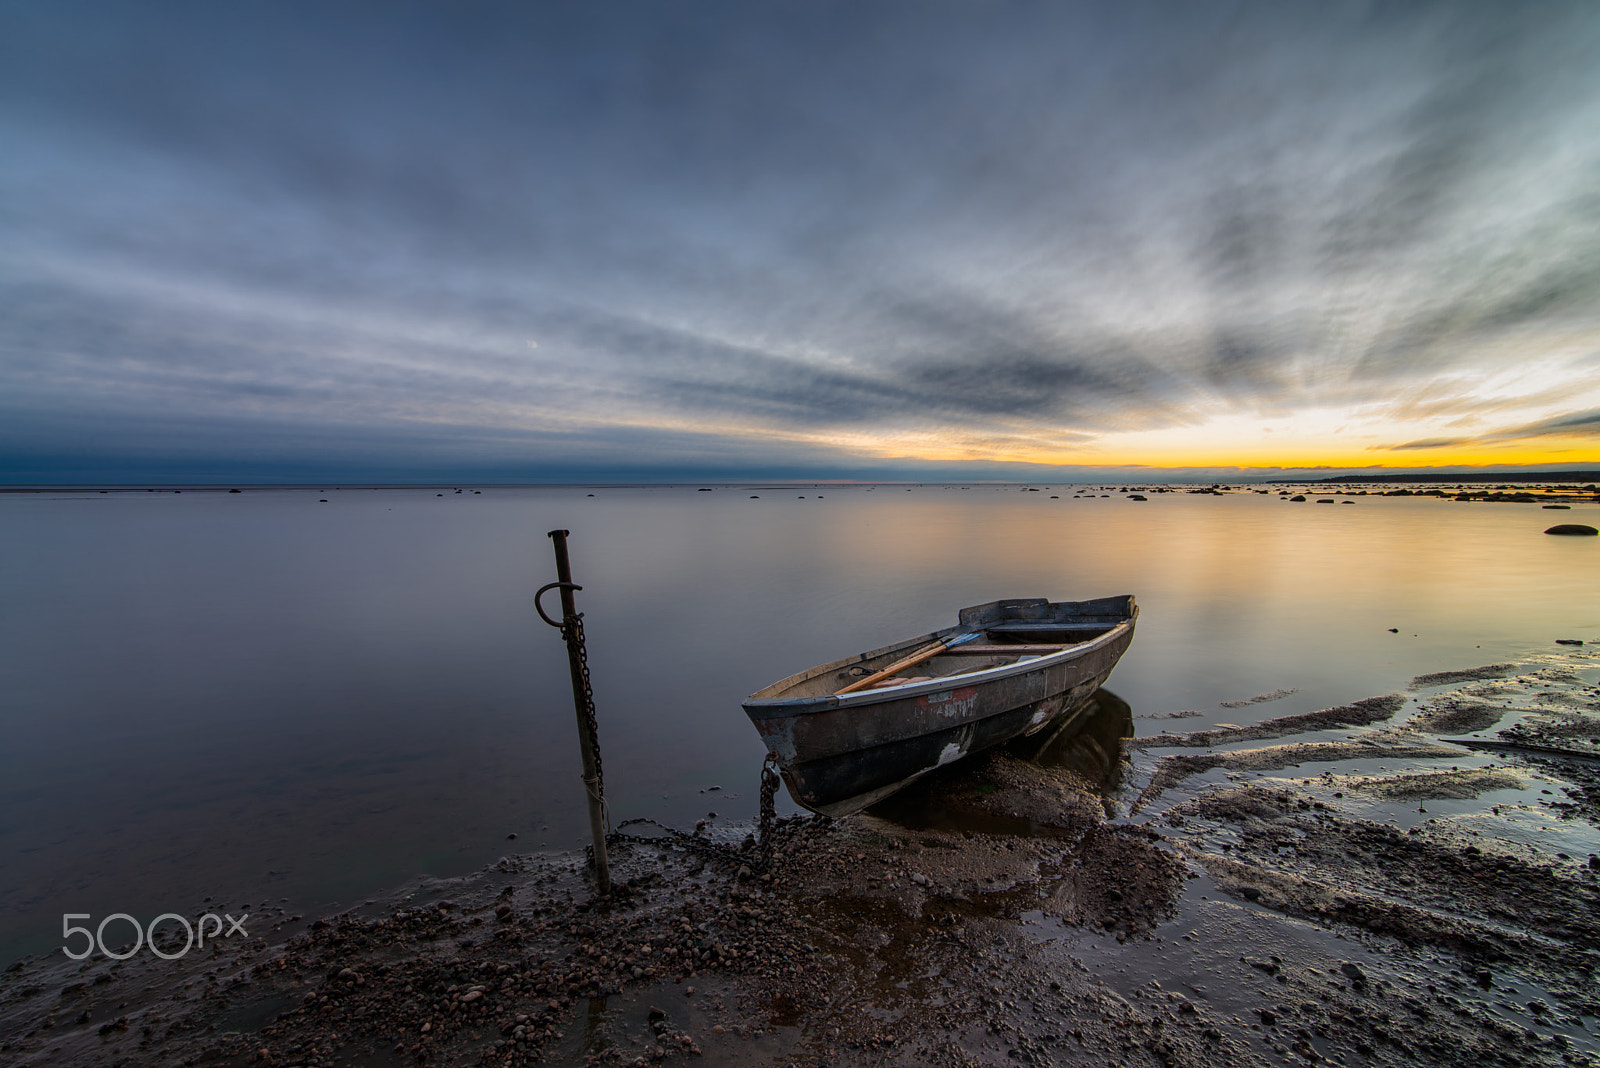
578	654
769	812
693	843
758	859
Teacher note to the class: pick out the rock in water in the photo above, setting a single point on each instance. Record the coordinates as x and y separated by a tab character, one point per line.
1572	528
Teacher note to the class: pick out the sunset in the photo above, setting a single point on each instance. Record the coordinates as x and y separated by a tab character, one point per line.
865	241
799	533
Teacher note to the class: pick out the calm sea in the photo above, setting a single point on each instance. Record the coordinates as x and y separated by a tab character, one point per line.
260	696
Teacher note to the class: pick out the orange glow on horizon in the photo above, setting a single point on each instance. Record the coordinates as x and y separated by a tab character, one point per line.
1120	450
1350	437
1353	439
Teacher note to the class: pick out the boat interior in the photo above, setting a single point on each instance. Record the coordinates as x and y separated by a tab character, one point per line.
1004	632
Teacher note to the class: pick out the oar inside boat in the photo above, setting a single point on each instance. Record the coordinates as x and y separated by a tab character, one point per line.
839	754
926	653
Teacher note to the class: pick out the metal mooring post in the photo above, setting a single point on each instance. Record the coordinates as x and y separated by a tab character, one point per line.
571	627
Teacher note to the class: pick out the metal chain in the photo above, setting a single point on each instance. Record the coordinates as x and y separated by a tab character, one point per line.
762	858
769	812
690	842
578	654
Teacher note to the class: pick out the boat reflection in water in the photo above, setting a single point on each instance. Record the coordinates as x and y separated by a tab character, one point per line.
1093	747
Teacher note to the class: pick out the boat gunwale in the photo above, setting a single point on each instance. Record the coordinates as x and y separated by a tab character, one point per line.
778	707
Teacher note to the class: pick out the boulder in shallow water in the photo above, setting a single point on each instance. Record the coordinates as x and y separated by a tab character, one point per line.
1572	528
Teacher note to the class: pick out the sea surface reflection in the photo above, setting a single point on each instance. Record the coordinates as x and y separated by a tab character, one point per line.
260	696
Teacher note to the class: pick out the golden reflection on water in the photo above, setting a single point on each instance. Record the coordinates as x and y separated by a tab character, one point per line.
209	691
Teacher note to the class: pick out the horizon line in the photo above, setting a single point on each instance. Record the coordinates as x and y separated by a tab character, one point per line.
1386	475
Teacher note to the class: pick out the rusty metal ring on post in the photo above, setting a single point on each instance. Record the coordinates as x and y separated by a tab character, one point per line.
546	589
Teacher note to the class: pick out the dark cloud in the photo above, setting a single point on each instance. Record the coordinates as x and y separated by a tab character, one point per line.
1575	425
1430	443
1578	424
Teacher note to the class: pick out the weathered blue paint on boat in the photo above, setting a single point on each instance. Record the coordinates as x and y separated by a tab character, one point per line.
840	753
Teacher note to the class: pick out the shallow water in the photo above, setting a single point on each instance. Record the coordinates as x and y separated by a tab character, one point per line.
260	696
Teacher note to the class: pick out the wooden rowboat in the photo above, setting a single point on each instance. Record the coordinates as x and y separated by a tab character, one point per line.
844	737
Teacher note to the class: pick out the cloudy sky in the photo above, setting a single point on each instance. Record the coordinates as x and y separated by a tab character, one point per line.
541	241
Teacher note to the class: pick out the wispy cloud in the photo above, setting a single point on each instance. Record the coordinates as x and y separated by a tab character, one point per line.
1579	425
785	225
1584	424
1427	443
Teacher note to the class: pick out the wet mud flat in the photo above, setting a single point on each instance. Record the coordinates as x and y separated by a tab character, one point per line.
1382	896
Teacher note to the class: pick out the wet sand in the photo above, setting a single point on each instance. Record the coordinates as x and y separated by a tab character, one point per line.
1009	910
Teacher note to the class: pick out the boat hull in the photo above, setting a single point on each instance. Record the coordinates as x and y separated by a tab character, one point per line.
839	755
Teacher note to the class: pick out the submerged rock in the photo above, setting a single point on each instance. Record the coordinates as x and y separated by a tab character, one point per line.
1572	528
1439	784
1441	678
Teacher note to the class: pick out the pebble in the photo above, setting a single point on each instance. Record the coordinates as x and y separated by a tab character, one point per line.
750	923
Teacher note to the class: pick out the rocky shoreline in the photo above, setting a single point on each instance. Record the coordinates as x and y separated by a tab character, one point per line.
1001	913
